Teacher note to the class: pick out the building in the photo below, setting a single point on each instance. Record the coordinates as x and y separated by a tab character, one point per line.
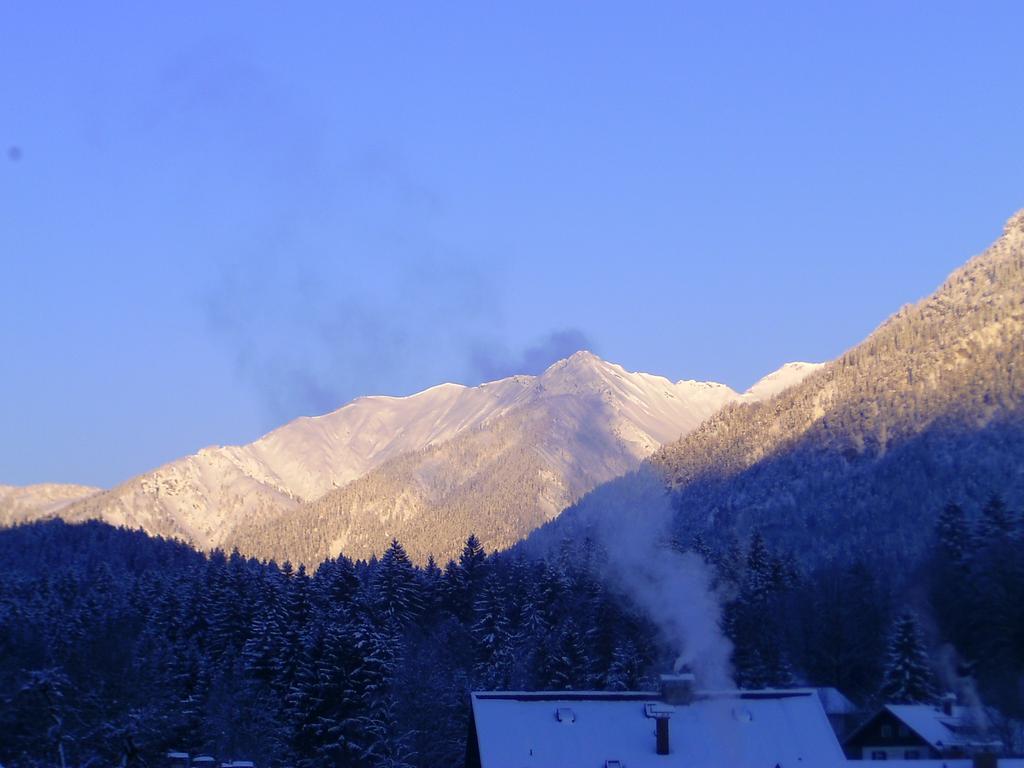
842	713
918	731
675	726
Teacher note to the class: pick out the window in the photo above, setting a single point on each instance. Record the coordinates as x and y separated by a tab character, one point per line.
886	731
879	754
911	754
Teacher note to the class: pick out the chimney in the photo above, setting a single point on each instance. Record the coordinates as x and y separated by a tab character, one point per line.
948	702
677	689
660	713
661	735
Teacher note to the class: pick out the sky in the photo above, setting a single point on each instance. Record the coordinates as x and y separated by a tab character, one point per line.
215	217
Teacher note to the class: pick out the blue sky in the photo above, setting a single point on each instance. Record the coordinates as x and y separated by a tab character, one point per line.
216	217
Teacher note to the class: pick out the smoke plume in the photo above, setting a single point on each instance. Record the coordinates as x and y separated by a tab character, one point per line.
632	520
494	361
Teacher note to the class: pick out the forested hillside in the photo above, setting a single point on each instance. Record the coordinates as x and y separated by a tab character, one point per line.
862	454
117	647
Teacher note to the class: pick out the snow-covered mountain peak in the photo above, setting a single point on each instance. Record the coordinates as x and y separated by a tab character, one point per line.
589	418
778	380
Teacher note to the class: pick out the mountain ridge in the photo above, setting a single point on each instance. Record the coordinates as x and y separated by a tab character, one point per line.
215	496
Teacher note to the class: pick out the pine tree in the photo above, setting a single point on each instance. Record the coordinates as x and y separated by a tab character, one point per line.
626	670
492	637
463	580
567	666
995	525
396	592
908	676
757	580
375	739
954	535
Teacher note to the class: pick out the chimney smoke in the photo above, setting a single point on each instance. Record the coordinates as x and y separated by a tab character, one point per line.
678	689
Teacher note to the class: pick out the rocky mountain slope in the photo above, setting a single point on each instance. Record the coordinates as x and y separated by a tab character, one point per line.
582	422
928	409
204	497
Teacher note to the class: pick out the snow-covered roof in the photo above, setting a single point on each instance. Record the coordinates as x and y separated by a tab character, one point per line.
940	730
732	729
834	702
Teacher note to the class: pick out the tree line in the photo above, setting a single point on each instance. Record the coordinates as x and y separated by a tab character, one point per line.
116	647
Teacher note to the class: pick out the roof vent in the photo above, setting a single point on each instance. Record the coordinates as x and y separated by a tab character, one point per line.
565	715
612	764
742	715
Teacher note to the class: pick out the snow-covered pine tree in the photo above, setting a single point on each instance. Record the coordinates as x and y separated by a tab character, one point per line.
567	665
492	637
396	586
463	580
626	670
908	675
757	578
373	731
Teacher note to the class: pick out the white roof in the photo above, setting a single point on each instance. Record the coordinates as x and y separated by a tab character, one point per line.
732	729
834	702
937	728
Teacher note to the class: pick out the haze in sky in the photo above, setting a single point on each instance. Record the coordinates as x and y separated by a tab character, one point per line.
216	218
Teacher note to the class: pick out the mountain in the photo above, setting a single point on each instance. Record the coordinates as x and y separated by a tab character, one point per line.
861	455
580	423
203	497
780	380
18	503
497	459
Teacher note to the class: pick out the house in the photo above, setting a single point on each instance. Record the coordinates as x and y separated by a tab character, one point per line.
842	713
177	760
674	726
918	731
